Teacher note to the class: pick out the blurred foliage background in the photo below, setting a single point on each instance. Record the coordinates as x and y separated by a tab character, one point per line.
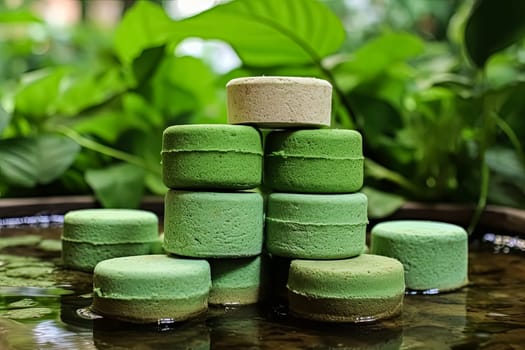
436	88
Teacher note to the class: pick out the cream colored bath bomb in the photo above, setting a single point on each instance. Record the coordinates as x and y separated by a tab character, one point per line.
361	289
92	235
144	289
435	254
279	102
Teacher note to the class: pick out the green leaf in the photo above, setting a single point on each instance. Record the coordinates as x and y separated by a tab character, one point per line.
270	32
109	124
506	162
144	26
82	90
117	186
377	56
37	98
147	63
19	16
183	85
36	160
492	26
382	204
5	118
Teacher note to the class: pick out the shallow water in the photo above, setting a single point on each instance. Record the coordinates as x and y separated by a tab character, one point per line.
44	307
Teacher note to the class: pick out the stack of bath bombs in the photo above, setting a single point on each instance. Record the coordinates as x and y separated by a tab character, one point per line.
213	231
314	212
210	212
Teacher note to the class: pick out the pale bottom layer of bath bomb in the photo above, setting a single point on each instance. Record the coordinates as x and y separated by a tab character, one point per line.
360	289
434	254
235	296
211	170
150	310
313	175
311	241
237	281
344	310
85	256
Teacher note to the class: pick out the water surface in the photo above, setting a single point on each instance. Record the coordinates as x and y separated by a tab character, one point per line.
44	307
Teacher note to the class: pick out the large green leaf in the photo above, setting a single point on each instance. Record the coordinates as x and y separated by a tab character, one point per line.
36	160
118	186
270	32
134	112
4	119
377	56
182	85
382	204
492	26
145	25
37	98
263	32
82	90
19	16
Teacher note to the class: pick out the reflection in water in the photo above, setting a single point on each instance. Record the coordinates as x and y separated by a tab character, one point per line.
434	319
51	335
108	334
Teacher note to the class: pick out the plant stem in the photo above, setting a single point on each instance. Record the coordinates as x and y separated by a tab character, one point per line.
482	199
511	135
103	149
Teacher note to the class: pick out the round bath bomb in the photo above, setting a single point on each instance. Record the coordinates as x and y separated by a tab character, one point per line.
361	289
434	254
279	102
213	224
236	281
203	156
92	235
146	288
314	161
316	226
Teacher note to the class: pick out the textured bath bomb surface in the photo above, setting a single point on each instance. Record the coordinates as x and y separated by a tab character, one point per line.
314	161
270	102
213	224
144	289
203	156
316	226
360	289
236	281
92	235
434	254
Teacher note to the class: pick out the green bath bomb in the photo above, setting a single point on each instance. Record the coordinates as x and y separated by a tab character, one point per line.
146	288
236	281
92	235
213	224
203	156
434	254
279	102
314	161
316	226
361	289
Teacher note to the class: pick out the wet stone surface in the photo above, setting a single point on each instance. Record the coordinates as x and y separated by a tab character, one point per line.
45	306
